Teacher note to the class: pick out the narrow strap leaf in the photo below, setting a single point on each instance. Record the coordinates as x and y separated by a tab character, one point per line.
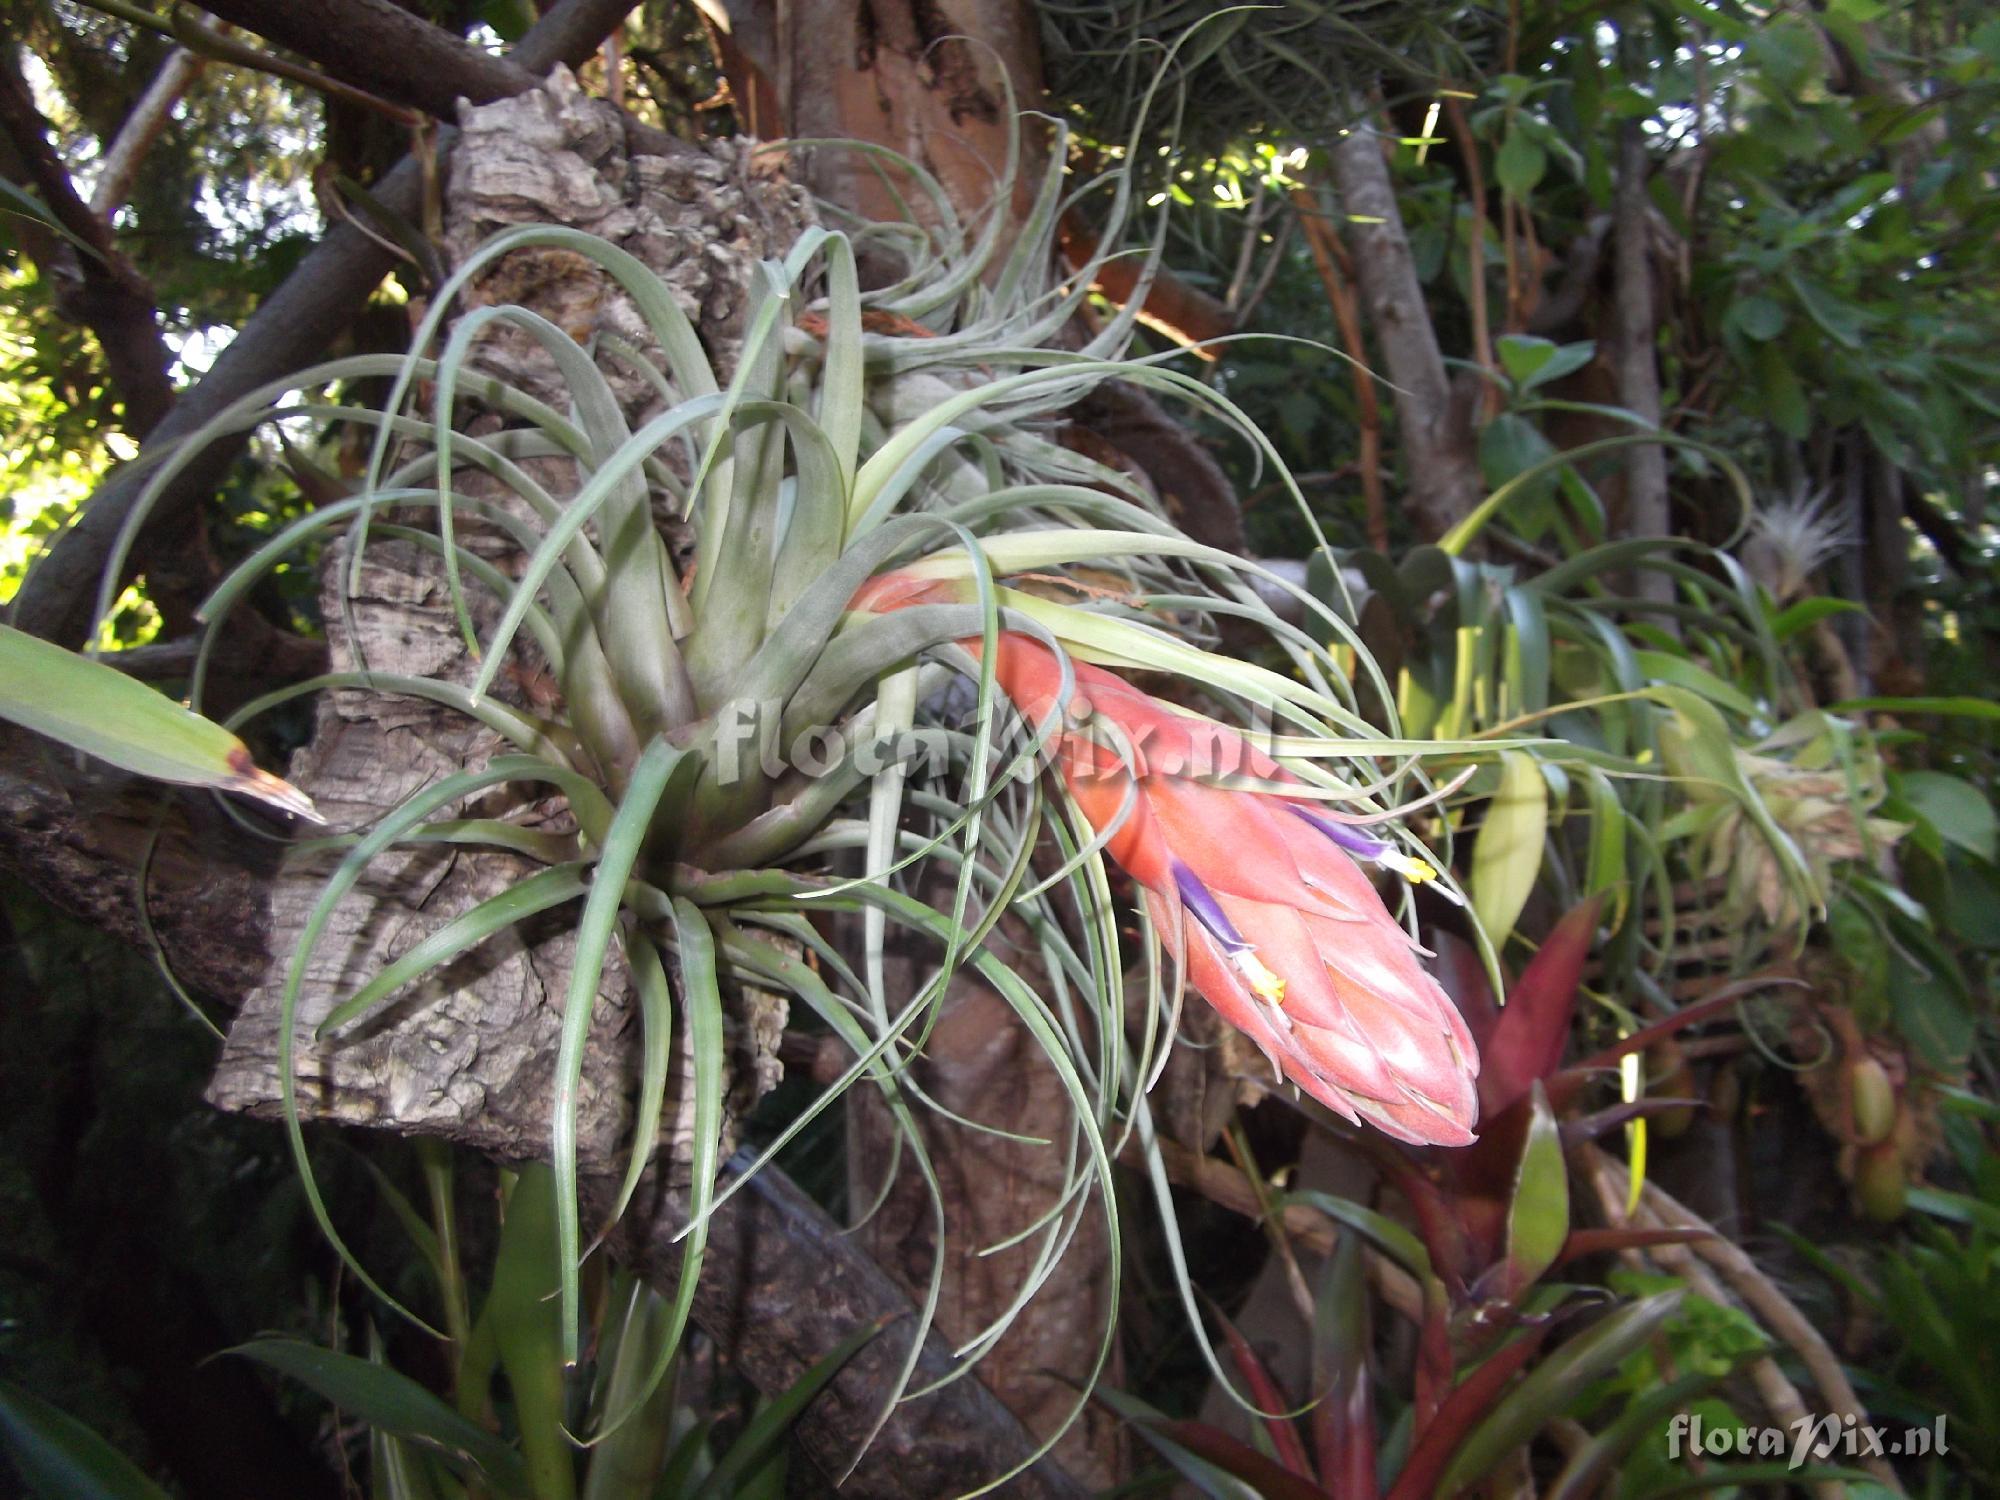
623	842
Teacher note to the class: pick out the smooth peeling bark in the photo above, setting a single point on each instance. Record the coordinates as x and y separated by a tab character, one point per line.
921	77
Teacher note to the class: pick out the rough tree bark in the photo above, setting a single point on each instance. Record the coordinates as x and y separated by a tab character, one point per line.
212	946
79	836
475	1064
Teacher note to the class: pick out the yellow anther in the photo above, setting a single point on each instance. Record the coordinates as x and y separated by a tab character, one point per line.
1264	983
1416	871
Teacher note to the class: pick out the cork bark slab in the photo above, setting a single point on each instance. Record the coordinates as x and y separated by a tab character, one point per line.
469	1052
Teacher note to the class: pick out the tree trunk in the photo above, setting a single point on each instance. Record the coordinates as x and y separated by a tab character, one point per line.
1636	341
981	1064
924	79
1436	427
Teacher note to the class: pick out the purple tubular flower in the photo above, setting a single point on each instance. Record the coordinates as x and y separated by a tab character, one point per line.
1359	844
1200	900
1374	850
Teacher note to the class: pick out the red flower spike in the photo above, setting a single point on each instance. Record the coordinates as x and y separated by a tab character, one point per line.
1255	893
1282	933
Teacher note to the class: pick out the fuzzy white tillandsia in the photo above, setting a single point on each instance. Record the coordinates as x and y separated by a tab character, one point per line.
1792	538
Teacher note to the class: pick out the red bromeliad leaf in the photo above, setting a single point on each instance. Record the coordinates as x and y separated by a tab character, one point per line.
1270	1400
1344	1420
1526	1042
1479	1185
1460	1412
1435	1366
1459	970
1590	1127
1437	1208
1680	1020
1272	1480
1206	1454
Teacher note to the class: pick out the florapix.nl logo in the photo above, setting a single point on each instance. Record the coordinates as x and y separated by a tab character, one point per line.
1809	1440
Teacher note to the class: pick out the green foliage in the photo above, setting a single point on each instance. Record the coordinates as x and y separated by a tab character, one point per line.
1933	1290
61	1459
1826	272
1243	75
825	458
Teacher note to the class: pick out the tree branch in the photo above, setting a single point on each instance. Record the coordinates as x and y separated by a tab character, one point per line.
1437	441
1637	353
103	290
1185	314
79	834
1554	314
291	327
378	46
1184	474
1328	255
141	128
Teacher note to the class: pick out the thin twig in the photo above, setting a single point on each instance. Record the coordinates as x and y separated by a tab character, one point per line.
1280	242
141	128
1246	253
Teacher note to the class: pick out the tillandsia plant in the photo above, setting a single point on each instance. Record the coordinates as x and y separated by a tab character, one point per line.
505	1337
898	432
1775	847
1697	791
